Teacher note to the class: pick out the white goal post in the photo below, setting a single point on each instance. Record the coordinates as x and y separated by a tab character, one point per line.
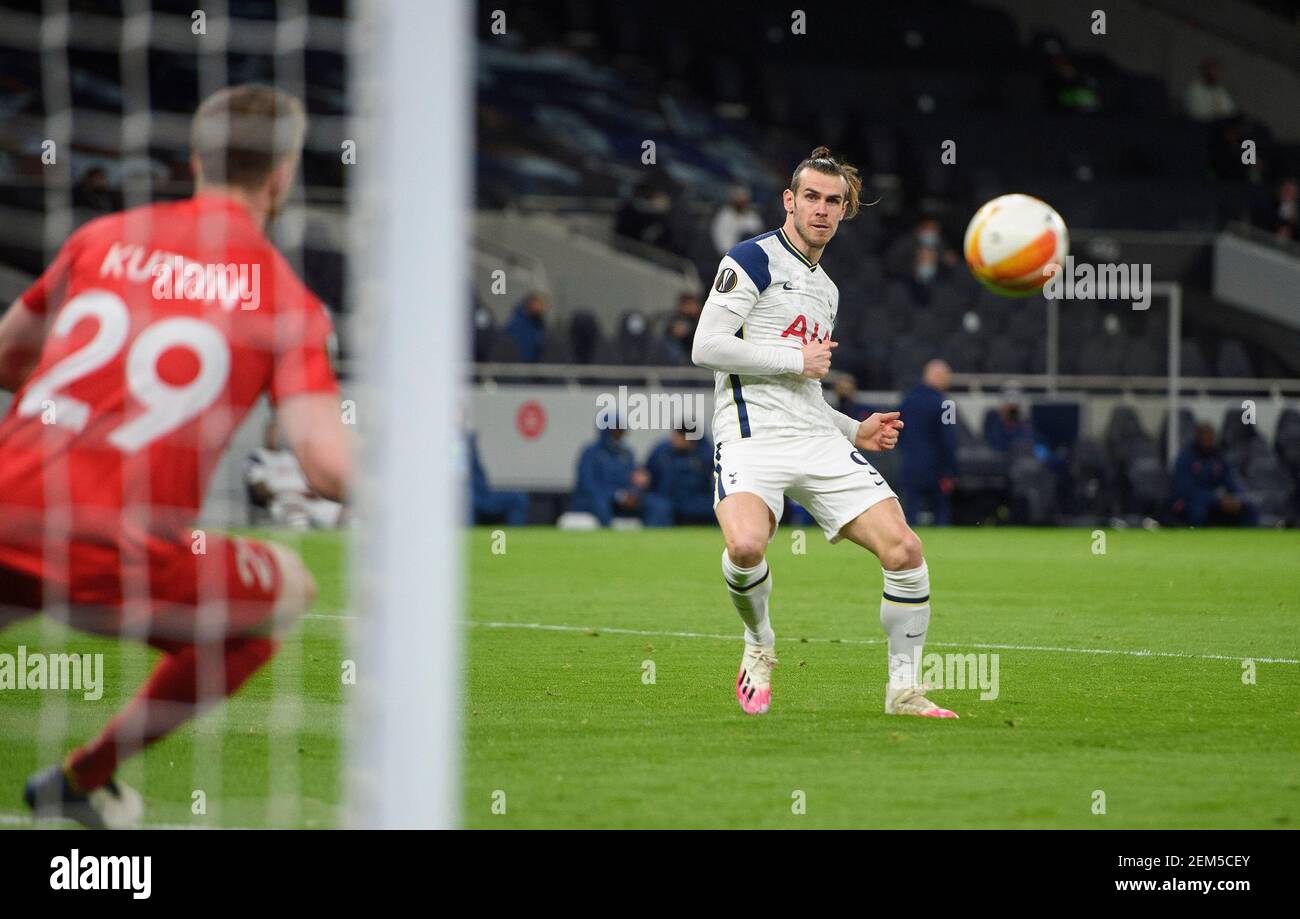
1174	292
411	229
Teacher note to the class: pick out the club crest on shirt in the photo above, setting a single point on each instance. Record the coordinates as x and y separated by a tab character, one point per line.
726	281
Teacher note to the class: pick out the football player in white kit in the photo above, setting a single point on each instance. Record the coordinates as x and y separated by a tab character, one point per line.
765	331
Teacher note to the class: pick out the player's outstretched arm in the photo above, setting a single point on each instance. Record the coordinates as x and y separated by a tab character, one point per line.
716	347
314	432
22	336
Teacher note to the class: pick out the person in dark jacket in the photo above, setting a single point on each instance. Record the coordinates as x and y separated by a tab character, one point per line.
527	328
610	485
681	471
487	504
930	447
1205	492
921	258
1008	426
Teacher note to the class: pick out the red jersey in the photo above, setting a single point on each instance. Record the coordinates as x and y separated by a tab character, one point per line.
169	321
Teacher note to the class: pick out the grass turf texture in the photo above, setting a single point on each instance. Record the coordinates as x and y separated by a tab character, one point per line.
562	722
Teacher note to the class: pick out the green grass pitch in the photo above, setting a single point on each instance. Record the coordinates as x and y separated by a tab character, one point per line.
565	728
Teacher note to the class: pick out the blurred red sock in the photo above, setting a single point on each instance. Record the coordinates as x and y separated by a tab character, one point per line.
168	699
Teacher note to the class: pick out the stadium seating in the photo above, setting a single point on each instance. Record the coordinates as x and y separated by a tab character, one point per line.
1125	437
556	157
1287	438
1241	441
637	344
1186	430
1147	481
1233	360
1094	481
1268	486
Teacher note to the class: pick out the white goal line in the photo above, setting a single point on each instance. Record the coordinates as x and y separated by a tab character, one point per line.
983	646
540	626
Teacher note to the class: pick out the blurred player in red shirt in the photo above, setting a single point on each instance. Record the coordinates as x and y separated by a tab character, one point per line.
133	359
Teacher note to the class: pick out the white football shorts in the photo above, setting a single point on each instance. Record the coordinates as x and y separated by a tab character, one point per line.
824	474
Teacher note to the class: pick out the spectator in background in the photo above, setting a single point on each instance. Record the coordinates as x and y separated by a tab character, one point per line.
584	333
1207	98
921	258
527	327
645	217
681	472
1281	216
929	449
487	505
679	328
610	485
1008	426
1205	492
736	220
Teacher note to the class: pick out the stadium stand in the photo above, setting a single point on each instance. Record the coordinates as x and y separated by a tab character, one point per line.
570	208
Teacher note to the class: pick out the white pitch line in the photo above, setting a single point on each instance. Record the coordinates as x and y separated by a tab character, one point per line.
989	646
880	641
613	631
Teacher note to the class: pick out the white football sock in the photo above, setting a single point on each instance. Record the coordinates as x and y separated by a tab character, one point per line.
749	589
905	614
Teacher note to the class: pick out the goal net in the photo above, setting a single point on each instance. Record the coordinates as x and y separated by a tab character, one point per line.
351	719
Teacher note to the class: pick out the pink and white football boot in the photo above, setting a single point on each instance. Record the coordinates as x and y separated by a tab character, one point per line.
754	683
909	700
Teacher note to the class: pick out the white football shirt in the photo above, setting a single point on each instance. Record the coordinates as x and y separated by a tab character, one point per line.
784	301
